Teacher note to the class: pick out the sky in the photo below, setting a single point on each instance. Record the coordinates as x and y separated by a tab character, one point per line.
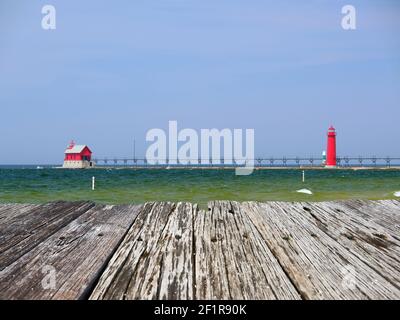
112	70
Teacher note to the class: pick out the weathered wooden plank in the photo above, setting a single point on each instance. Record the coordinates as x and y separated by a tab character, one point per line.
155	259
385	213
5	206
319	266
21	234
366	240
329	250
10	210
75	255
368	223
211	276
232	259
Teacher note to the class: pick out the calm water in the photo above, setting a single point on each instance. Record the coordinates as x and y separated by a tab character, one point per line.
137	186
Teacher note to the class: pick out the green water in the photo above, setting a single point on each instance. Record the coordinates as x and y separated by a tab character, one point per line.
116	186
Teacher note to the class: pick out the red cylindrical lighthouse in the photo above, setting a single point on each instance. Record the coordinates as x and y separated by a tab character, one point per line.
331	148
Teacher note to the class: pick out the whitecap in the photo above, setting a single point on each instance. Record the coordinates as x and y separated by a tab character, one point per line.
306	191
397	194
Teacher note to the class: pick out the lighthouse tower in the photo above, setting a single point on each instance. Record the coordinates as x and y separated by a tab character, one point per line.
331	148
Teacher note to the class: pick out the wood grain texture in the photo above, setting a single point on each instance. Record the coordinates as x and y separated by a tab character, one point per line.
384	213
367	240
155	259
11	210
23	232
77	253
233	261
319	266
275	250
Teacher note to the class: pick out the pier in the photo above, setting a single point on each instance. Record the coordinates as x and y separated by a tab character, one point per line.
261	162
229	250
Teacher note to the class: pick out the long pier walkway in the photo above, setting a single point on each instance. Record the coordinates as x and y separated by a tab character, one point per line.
273	250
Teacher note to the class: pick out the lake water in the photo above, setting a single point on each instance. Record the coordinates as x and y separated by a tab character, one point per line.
115	186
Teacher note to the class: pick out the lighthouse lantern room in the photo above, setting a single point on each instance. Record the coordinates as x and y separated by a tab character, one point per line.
77	157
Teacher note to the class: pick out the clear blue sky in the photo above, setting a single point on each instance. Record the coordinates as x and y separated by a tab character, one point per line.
114	69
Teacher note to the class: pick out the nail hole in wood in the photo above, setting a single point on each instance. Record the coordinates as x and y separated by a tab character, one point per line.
348	236
380	236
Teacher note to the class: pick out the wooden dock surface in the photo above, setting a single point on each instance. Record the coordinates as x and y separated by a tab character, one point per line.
274	250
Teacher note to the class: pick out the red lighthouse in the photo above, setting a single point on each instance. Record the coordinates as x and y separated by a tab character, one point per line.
77	157
331	148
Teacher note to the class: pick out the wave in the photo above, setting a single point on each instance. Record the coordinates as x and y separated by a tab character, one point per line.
305	191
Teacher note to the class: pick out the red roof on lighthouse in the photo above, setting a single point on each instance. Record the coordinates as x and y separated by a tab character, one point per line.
77	149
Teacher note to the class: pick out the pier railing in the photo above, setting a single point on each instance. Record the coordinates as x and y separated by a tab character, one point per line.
345	161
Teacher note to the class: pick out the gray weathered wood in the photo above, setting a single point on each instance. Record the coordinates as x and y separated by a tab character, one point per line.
233	261
385	213
275	250
319	266
77	254
155	259
12	210
20	234
368	241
